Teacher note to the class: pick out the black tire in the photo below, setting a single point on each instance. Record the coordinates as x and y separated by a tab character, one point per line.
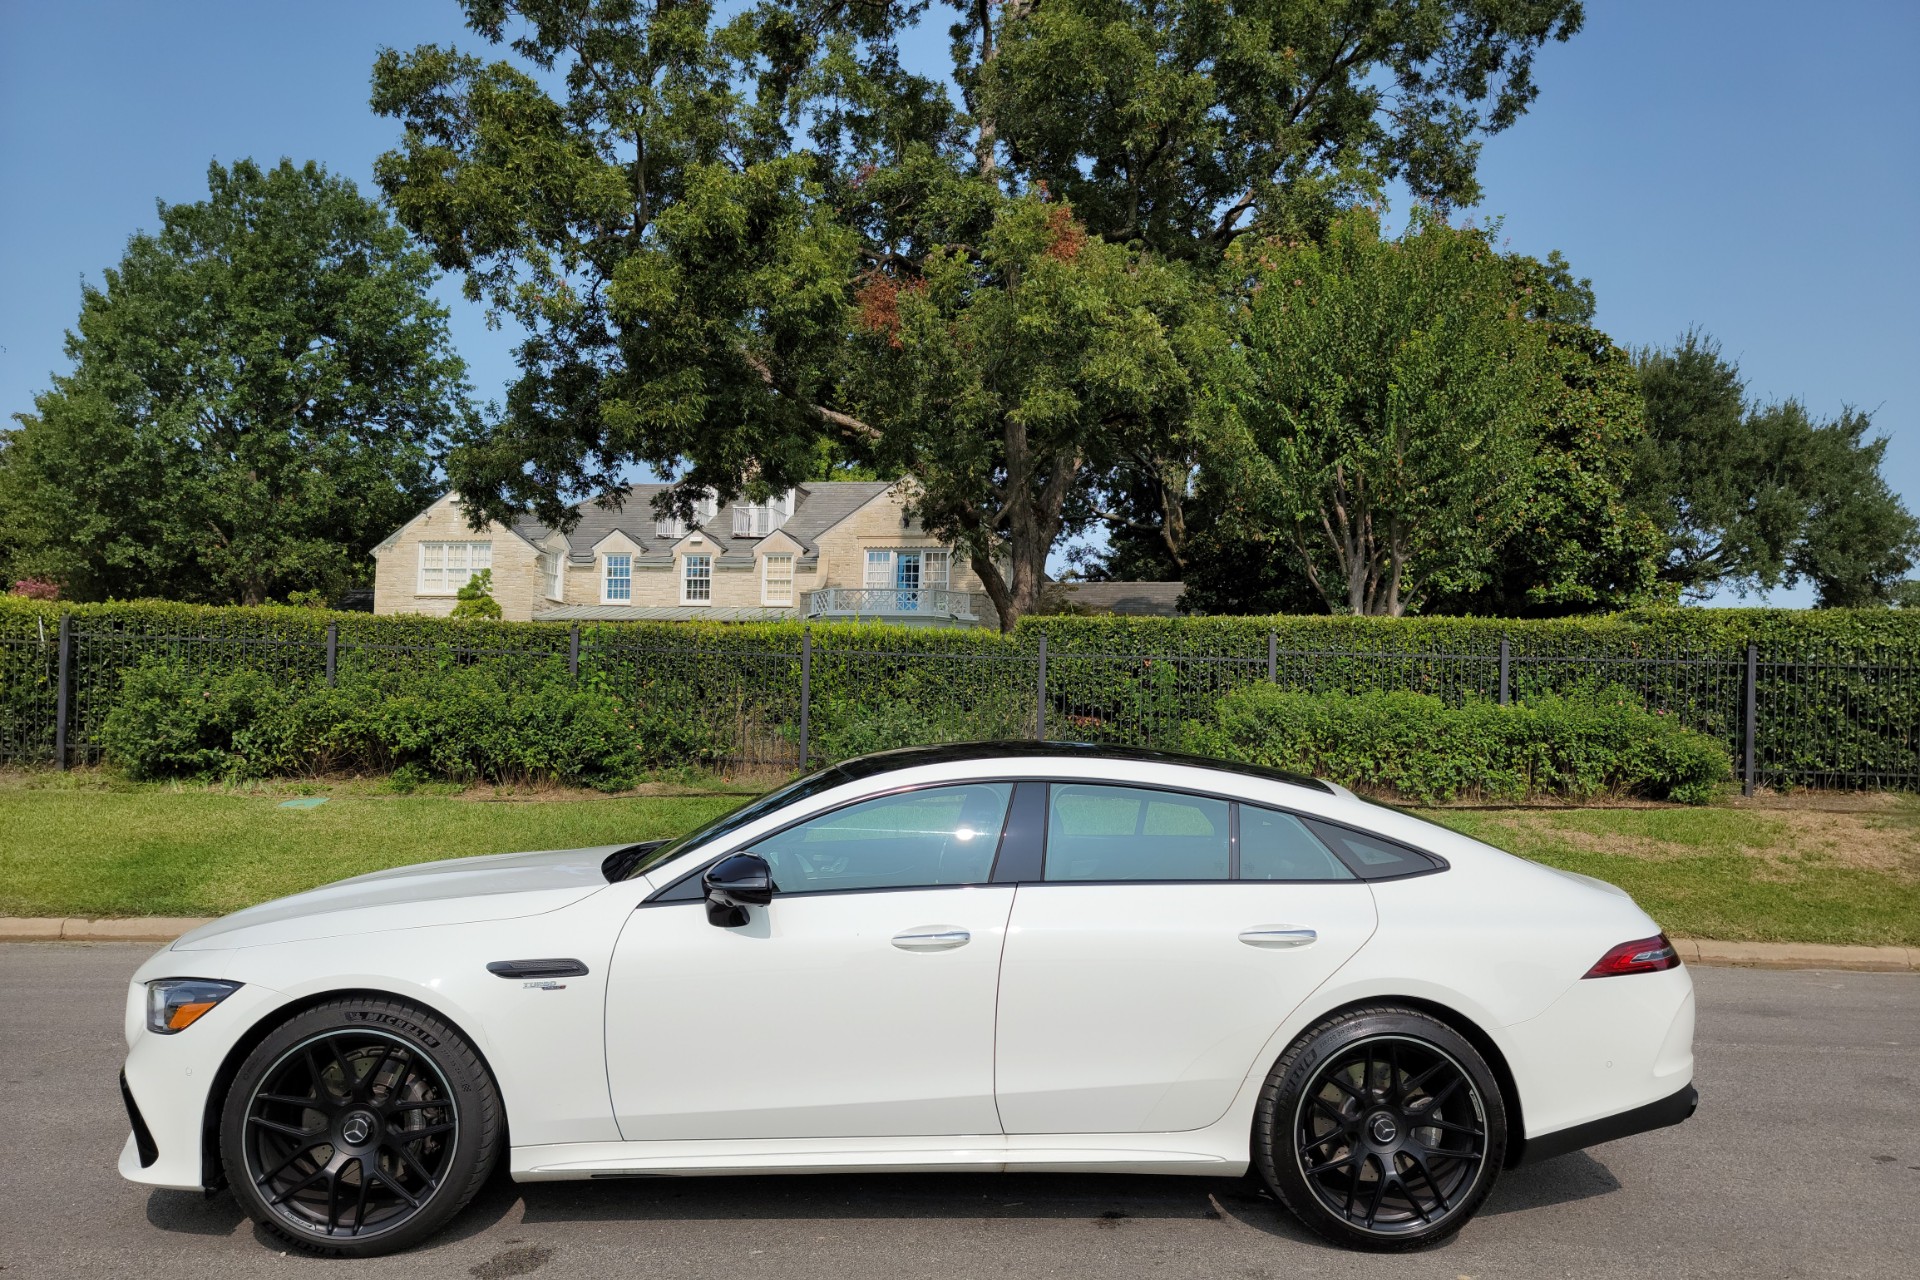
1381	1128
359	1128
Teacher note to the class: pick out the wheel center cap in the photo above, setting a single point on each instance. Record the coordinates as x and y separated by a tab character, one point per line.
357	1128
1384	1129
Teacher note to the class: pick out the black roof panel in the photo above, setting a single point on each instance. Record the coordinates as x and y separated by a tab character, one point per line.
1026	749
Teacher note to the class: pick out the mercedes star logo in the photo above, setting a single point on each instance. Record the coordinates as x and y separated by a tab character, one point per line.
357	1127
1384	1129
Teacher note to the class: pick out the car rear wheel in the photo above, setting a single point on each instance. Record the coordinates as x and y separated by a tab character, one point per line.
359	1127
1381	1128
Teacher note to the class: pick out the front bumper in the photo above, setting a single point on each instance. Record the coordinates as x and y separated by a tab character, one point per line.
1670	1110
166	1084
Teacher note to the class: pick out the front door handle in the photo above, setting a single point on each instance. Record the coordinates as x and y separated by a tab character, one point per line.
932	937
1277	936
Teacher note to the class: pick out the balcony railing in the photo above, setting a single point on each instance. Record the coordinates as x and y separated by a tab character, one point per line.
755	521
895	602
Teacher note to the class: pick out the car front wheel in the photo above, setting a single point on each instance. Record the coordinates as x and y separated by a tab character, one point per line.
1381	1128
359	1127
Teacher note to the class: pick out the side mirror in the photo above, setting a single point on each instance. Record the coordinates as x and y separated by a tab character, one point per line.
733	884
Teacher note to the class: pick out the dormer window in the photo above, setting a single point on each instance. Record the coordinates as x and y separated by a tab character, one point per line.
705	508
758	519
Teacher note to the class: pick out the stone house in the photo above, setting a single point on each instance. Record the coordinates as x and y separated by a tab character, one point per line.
835	549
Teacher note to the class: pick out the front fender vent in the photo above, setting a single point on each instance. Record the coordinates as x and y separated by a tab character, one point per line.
142	1136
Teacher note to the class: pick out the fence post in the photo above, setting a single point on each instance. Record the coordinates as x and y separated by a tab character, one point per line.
573	653
1040	704
62	697
1748	765
1273	657
806	695
333	653
1506	687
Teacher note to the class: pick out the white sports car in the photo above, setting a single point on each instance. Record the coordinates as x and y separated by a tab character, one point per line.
1002	956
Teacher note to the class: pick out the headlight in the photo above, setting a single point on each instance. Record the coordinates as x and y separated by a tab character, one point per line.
174	1004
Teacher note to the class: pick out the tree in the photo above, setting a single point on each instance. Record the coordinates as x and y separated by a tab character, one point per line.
475	599
700	219
1383	425
257	392
1580	544
1857	541
1755	496
1010	372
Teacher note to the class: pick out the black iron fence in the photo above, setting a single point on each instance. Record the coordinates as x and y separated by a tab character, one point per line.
1805	719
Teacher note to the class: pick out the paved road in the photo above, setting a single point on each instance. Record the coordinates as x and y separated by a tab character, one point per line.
1804	1160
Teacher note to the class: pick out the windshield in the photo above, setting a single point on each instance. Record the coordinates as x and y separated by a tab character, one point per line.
734	819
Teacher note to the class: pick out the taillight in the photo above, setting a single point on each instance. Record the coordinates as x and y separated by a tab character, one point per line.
1643	955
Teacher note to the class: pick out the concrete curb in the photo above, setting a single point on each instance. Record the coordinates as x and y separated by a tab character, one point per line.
74	929
1729	955
1797	955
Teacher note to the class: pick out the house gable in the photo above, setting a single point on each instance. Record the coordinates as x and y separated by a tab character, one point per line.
617	541
415	565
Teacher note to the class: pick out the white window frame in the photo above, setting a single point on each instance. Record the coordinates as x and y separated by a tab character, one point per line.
687	561
769	581
437	559
879	558
882	568
607	579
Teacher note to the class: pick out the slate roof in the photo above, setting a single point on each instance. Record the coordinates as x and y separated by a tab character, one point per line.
816	508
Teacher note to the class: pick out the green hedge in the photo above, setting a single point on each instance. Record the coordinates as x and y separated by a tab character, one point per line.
1884	633
1417	747
172	721
1824	718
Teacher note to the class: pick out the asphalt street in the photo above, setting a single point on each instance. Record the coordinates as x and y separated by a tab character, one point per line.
1804	1160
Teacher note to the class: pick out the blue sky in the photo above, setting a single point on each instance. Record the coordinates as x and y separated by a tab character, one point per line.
1746	167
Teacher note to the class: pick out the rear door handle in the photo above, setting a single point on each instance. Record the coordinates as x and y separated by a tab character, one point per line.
932	937
1277	936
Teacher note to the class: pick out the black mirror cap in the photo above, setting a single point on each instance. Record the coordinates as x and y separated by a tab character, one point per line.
744	877
735	883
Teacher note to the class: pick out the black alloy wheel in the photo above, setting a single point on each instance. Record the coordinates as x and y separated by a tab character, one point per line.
1382	1128
359	1128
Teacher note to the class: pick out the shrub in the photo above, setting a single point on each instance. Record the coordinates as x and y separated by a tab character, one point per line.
171	722
1416	746
475	600
463	725
35	589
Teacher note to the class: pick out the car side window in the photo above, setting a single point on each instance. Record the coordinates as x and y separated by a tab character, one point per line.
1278	846
1371	857
1099	832
913	839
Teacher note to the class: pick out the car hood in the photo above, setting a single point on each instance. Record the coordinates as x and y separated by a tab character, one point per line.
455	891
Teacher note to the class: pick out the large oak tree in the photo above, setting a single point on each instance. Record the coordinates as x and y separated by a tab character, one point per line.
716	225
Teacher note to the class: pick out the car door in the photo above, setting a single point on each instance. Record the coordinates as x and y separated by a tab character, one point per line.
1166	939
858	1003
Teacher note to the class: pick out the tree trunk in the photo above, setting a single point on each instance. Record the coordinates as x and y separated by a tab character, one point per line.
1016	596
1031	512
984	143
